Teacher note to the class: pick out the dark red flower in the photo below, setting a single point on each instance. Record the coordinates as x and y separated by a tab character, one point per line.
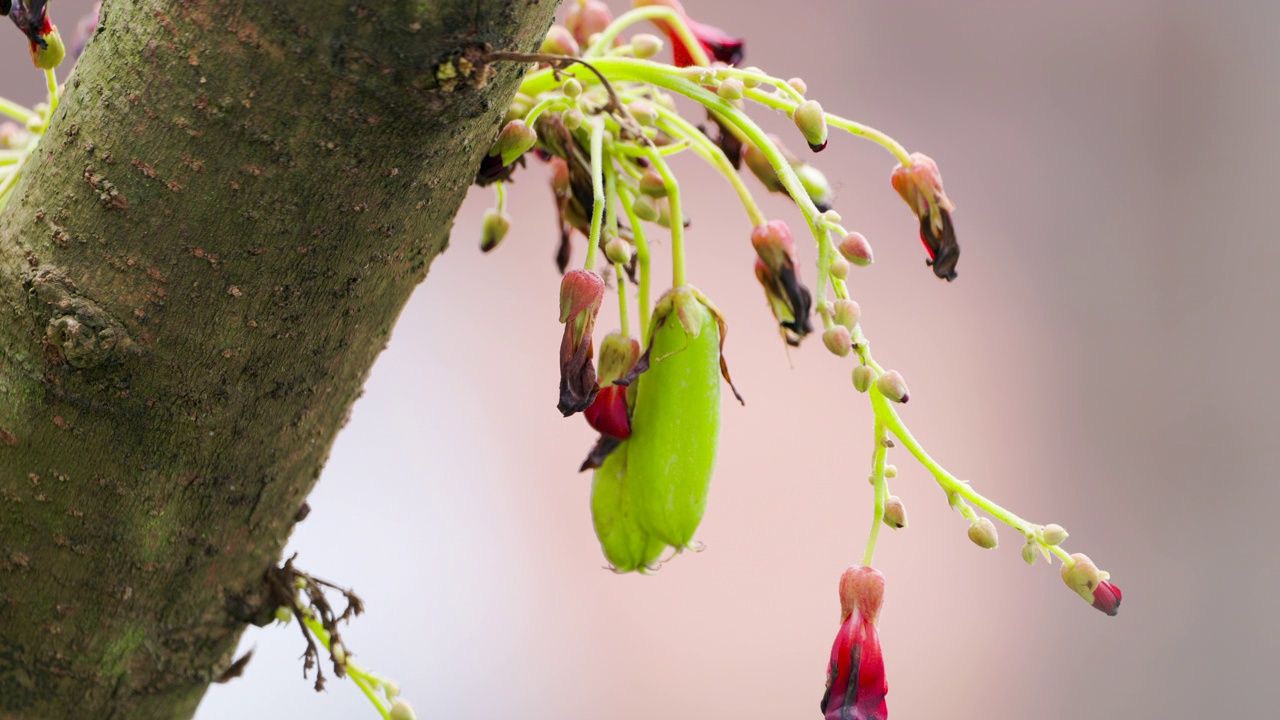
856	686
1106	597
608	414
718	44
920	185
31	17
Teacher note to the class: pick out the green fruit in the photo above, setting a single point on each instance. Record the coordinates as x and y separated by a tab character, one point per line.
676	421
626	546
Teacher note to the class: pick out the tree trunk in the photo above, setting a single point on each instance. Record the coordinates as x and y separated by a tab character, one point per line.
204	258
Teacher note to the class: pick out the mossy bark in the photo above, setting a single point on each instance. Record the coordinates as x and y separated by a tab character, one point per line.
205	256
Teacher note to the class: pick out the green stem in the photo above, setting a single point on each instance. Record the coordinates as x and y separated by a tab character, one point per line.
889	417
597	192
676	217
499	190
657	13
544	105
16	111
354	671
51	79
642	262
709	151
881	490
772	100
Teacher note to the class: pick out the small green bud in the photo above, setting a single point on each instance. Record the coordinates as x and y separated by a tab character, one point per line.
856	249
572	119
895	513
812	122
651	184
847	313
752	82
402	711
571	88
891	471
839	268
618	251
665	100
863	376
1054	534
838	340
50	56
560	41
515	140
493	229
815	183
799	85
1030	552
730	89
983	534
644	208
893	387
284	614
644	45
643	112
830	216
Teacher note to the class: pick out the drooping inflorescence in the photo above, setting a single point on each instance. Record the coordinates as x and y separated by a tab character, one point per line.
598	108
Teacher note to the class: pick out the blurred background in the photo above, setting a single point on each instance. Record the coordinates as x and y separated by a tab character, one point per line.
1104	361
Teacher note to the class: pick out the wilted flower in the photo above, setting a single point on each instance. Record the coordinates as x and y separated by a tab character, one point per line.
856	685
777	269
580	294
920	185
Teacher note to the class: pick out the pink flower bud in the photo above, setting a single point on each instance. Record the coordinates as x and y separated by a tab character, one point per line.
856	249
730	89
581	292
863	377
587	19
644	45
920	185
651	184
560	41
895	513
893	387
983	534
847	313
837	340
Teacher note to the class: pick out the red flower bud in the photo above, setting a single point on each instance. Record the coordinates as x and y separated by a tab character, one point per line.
608	414
920	185
580	294
1106	597
856	685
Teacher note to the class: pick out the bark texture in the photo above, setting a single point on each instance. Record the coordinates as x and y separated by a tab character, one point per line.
206	254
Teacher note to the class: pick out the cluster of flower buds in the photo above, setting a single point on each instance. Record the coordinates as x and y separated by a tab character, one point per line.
599	111
32	18
856	686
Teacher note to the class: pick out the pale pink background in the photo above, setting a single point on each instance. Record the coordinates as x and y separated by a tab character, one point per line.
1105	360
